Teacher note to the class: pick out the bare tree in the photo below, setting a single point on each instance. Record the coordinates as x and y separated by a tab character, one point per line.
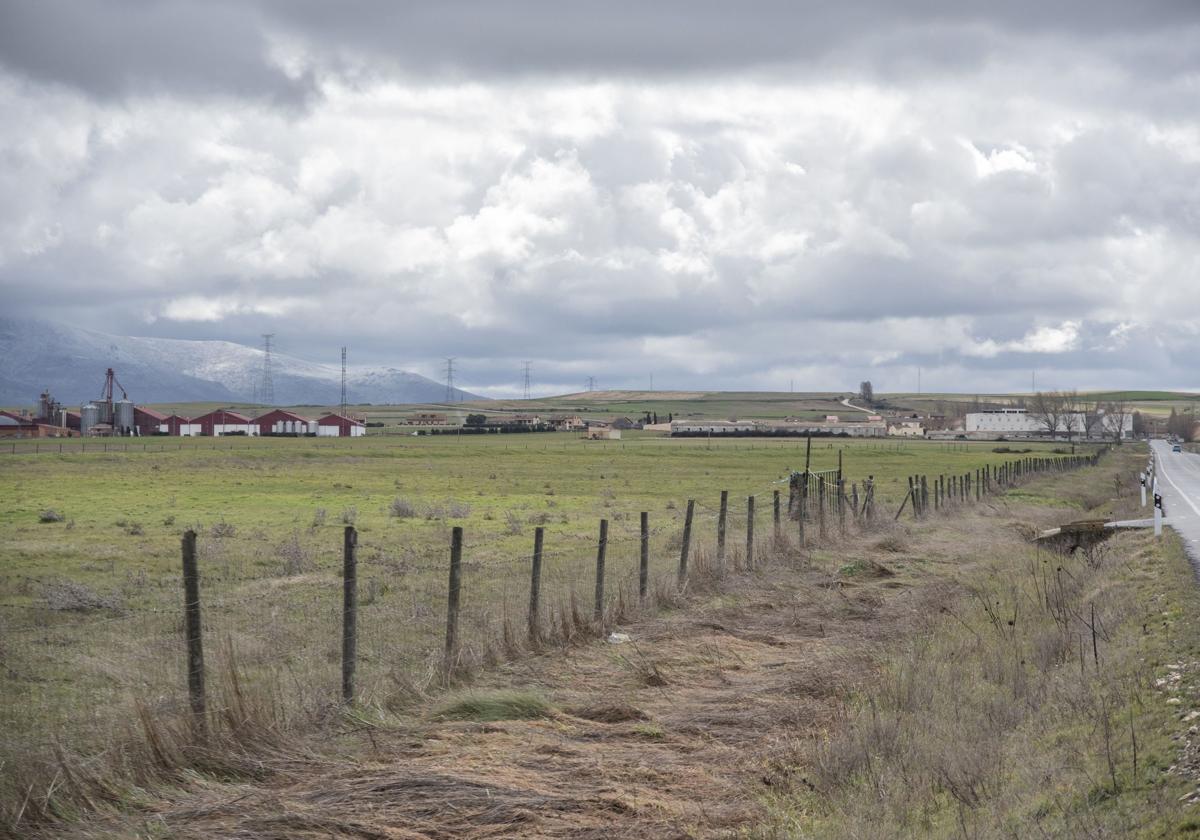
1091	413
1116	417
1047	411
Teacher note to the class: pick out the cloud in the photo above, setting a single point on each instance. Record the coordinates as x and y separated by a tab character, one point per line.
723	198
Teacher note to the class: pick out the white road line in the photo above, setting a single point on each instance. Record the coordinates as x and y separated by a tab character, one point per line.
1185	497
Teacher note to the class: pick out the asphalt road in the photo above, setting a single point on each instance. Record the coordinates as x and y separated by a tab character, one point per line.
1179	485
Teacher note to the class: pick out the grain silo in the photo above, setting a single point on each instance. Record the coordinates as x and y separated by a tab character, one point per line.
89	416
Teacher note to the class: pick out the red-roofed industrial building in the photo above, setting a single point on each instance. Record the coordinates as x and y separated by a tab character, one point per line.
337	425
147	421
225	422
281	422
179	426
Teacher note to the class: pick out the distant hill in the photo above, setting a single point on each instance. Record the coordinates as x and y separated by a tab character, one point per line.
35	355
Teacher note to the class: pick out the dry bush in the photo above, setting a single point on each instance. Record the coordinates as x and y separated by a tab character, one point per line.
297	559
512	523
402	508
50	515
71	596
222	530
350	515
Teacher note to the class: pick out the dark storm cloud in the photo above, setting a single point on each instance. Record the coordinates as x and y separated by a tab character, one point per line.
224	47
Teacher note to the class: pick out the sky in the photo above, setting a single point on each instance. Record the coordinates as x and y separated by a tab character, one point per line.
741	196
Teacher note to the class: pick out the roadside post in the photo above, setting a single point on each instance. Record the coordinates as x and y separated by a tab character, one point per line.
1142	481
1158	515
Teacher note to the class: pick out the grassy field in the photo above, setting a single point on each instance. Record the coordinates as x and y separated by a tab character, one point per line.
90	600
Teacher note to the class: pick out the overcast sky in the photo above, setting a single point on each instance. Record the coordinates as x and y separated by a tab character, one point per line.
721	195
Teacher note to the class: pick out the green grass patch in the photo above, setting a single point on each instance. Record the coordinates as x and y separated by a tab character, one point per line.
486	706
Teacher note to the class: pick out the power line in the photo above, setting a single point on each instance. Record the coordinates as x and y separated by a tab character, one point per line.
268	378
450	379
528	366
591	383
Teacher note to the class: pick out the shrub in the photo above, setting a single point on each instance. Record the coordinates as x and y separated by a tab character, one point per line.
70	596
349	515
134	529
318	517
512	523
50	515
402	508
458	510
296	558
222	529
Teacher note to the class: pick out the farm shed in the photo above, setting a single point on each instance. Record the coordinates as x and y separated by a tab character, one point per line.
603	433
337	425
179	426
428	419
147	421
17	425
225	422
280	422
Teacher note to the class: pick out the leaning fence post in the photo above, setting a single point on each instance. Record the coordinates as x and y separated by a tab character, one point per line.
535	589
687	542
453	592
644	563
601	548
749	532
722	518
349	611
195	642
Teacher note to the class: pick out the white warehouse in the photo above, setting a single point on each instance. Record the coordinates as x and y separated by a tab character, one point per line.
1018	421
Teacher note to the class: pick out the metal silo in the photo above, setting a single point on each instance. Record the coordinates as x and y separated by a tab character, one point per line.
89	415
123	422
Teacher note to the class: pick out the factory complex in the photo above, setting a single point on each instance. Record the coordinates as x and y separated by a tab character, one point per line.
109	417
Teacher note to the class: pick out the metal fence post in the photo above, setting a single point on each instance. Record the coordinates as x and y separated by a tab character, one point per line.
644	561
722	518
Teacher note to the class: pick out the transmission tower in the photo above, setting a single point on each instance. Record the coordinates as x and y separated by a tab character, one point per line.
528	365
343	381
591	383
450	380
268	380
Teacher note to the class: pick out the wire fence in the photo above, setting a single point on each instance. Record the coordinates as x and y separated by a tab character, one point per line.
291	623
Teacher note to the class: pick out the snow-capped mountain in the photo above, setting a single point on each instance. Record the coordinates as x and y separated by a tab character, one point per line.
70	362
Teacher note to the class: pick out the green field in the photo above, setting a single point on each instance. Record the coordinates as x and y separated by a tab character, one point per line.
90	611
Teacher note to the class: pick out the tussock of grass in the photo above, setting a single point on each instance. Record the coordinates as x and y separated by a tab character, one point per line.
484	707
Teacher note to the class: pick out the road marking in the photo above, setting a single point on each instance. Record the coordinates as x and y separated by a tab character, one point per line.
1183	495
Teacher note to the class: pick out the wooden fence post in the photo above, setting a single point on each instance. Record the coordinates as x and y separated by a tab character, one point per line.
193	629
722	519
687	542
644	563
601	548
349	611
454	590
841	506
535	589
749	532
778	534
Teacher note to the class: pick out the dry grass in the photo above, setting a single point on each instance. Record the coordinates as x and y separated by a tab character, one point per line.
688	729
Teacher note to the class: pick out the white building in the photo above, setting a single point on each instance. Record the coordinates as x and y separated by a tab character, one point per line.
1018	421
713	427
907	428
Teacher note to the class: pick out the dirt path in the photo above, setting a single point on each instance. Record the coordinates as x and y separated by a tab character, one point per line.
682	731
